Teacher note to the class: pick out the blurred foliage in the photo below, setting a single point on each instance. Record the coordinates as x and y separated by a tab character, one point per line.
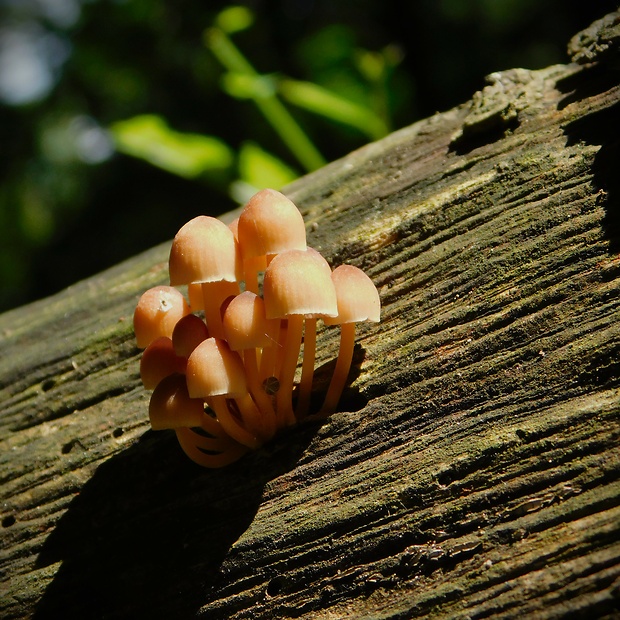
122	119
188	155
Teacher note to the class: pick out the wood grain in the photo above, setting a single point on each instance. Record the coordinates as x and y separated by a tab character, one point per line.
473	469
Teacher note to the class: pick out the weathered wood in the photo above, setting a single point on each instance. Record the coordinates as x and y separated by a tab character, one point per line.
473	470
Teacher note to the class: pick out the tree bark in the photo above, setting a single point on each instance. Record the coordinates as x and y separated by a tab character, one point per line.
473	467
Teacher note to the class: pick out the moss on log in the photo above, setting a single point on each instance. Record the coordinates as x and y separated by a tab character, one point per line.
473	469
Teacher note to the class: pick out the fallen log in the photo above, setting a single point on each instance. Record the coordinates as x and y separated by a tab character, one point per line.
473	467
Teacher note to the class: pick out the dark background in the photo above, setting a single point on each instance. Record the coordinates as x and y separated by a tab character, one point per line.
70	205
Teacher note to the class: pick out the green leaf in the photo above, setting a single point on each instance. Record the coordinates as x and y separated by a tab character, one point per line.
234	19
324	102
261	169
372	65
189	155
244	86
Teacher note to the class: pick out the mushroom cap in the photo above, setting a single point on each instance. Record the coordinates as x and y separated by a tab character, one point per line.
204	250
270	223
157	312
320	259
158	361
297	282
171	406
234	226
358	298
214	370
188	333
245	324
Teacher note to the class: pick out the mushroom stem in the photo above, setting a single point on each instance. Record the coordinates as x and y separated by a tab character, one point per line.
341	372
268	362
263	401
251	268
251	417
230	424
307	369
282	331
292	344
208	451
214	294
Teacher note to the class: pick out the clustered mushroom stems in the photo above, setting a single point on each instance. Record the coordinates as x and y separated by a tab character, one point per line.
225	384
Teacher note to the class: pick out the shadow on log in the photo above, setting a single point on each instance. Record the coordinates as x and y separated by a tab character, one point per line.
473	470
149	521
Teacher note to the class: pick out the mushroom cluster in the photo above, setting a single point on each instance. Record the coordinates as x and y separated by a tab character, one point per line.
226	384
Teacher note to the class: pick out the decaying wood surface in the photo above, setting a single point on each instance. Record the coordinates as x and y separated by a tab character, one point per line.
473	470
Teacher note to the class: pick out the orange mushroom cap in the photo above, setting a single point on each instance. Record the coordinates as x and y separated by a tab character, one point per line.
204	250
296	282
320	259
171	406
246	325
358	298
270	223
234	226
214	370
157	312
158	361
188	333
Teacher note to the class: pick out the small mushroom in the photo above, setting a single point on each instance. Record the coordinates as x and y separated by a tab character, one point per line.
157	312
269	223
249	348
248	331
187	334
216	374
296	287
158	361
171	406
358	300
309	353
204	251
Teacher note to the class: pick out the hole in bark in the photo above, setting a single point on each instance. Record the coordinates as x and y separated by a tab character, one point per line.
444	478
594	129
48	384
522	435
68	446
8	521
589	82
476	136
275	586
352	400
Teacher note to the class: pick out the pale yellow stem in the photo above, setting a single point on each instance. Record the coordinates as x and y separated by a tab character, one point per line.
307	369
219	452
271	357
292	344
282	332
341	372
263	401
251	417
214	295
230	424
251	268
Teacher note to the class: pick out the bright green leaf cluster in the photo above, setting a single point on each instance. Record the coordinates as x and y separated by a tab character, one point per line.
148	137
189	155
